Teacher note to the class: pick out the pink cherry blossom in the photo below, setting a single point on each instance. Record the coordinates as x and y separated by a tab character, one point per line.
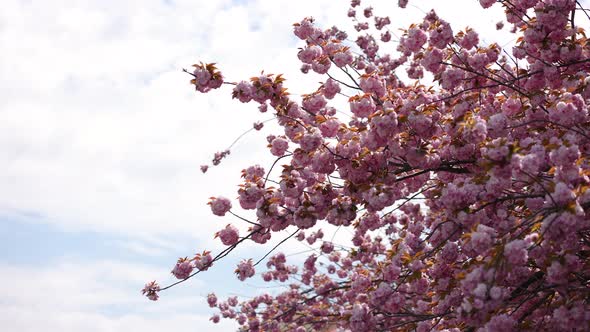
331	88
515	252
486	3
203	261
279	146
206	77
245	270
182	269
308	54
362	106
220	205
243	91
258	125
229	235
342	58
151	290
212	300
414	40
304	29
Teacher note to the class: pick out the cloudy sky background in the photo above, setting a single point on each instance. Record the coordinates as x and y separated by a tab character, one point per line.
101	139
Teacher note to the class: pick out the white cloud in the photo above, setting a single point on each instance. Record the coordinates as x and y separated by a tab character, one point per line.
96	296
100	129
107	135
33	321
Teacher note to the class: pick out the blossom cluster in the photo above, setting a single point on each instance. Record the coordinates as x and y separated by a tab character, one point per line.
467	200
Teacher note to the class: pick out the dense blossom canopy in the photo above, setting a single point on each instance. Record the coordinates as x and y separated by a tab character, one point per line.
469	198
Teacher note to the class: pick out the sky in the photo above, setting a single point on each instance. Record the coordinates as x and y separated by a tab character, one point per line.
101	139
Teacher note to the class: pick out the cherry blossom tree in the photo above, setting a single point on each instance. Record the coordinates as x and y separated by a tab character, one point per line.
468	197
